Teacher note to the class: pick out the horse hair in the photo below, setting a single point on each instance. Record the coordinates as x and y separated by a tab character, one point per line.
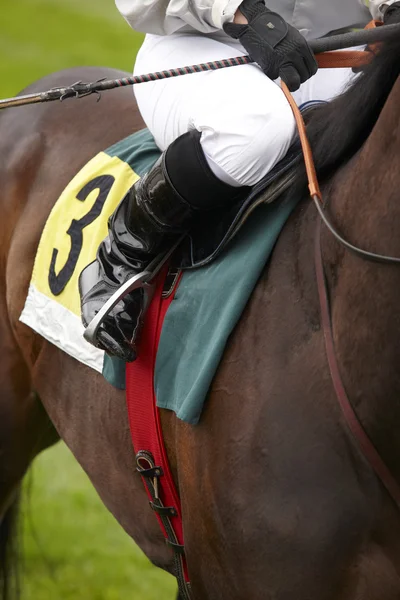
337	129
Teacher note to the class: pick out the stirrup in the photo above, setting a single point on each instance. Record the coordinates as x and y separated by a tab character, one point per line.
145	280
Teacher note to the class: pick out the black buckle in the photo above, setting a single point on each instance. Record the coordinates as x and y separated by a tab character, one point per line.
164	511
151	472
177	548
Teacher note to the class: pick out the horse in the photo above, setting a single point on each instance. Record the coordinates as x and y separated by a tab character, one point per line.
278	500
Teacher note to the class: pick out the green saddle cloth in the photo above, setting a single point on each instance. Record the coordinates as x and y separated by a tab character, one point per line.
208	302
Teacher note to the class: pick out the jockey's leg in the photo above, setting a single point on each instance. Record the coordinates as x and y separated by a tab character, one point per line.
158	208
245	122
220	132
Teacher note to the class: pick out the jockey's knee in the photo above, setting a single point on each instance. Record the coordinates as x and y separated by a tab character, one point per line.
243	155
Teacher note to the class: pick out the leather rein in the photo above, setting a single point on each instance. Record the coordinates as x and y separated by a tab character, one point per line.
365	444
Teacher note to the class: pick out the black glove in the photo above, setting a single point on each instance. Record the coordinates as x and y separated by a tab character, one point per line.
392	14
279	49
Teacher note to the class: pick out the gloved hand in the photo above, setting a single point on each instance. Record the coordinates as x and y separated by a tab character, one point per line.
276	46
392	14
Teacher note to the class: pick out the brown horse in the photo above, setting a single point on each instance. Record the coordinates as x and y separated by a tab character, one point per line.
278	501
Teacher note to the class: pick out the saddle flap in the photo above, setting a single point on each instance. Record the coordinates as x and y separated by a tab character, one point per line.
216	229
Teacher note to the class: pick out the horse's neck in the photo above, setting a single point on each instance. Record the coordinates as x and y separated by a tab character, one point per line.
365	303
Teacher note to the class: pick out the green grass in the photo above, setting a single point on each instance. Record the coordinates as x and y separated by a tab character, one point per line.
38	37
73	548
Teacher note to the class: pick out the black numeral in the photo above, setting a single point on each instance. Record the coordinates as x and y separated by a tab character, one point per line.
104	184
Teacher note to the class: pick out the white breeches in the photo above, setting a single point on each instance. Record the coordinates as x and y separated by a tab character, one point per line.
245	121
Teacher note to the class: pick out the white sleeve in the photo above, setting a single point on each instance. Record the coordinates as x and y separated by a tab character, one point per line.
377	7
164	17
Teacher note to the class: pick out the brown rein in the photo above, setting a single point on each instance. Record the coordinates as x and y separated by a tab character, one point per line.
366	445
331	60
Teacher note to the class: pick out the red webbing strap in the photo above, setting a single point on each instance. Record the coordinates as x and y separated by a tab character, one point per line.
143	414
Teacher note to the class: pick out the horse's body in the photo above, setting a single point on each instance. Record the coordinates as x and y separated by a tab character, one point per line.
278	501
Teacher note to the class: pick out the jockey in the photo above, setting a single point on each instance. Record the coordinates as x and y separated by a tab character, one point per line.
220	132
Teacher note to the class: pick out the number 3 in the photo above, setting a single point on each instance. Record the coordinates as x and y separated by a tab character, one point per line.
104	184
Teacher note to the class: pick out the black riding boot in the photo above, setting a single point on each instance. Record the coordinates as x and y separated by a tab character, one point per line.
160	206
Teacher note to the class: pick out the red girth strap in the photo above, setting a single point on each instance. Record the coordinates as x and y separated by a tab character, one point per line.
147	437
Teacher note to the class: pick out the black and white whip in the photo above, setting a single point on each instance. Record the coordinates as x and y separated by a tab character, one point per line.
79	89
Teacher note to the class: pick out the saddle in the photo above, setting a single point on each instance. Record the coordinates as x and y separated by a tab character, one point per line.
205	242
210	237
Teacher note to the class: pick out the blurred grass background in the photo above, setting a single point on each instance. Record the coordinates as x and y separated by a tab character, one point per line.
38	37
73	548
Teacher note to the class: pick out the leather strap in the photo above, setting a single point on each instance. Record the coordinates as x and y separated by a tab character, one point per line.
368	449
313	184
348	58
343	59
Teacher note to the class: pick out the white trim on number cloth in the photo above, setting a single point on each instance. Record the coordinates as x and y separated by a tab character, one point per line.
61	327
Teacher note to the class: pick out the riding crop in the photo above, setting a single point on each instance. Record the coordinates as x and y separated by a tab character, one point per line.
80	89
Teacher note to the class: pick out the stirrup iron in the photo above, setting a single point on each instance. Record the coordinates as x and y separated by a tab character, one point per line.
144	280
